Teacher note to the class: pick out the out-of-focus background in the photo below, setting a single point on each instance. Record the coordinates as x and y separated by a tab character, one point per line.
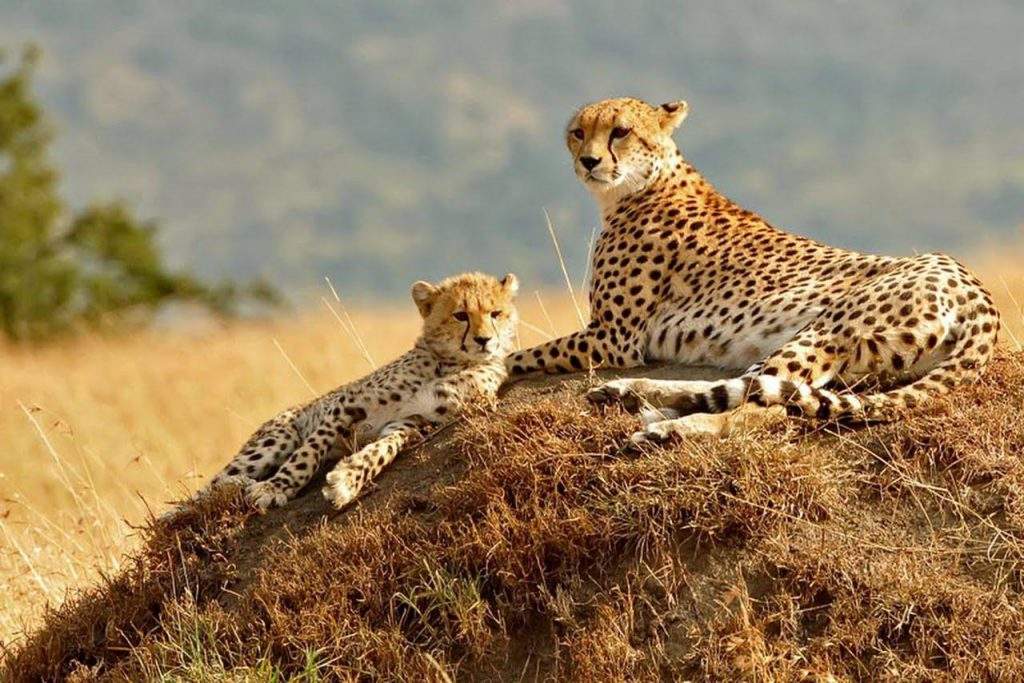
237	153
377	142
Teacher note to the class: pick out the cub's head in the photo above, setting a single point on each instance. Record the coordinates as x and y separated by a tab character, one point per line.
470	316
617	145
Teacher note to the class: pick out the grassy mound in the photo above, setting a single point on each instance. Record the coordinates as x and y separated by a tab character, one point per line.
523	545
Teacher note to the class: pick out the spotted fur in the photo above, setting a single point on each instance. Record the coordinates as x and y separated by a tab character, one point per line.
683	274
468	328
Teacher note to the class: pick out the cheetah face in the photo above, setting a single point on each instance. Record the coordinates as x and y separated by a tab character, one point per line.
619	145
469	317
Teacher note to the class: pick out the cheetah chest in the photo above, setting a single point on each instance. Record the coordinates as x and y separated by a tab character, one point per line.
421	401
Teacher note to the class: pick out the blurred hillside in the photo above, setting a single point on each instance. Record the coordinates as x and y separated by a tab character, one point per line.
378	142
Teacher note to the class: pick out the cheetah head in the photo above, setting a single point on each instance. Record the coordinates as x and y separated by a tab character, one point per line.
469	317
618	145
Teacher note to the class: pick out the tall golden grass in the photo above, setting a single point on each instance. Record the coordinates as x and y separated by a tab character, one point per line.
100	431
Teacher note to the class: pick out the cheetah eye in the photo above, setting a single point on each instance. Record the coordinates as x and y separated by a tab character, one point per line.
495	314
577	133
461	316
619	132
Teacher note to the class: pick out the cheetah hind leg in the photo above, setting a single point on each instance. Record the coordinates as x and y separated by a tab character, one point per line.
639	394
664	424
296	471
258	459
261	455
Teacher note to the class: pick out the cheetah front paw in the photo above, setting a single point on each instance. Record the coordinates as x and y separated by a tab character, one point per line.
621	391
242	481
653	434
662	431
342	487
264	495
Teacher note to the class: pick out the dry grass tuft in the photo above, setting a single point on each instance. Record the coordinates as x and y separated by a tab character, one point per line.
114	426
525	545
98	626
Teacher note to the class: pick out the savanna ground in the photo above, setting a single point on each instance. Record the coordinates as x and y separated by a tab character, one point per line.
892	551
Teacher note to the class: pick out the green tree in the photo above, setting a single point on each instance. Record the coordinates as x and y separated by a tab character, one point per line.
58	270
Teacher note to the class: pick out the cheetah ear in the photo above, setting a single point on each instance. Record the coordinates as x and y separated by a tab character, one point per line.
671	114
510	283
424	293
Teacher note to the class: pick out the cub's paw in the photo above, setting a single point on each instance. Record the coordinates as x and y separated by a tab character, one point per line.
617	391
264	495
242	480
342	487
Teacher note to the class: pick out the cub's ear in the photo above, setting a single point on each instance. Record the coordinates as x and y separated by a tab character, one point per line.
510	283
424	293
671	114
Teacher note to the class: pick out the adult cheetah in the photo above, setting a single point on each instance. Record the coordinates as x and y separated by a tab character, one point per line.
681	273
469	324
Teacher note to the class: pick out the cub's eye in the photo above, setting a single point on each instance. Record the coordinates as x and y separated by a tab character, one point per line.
619	132
461	316
577	133
495	314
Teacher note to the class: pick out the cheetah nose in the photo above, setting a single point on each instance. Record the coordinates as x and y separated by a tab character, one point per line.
482	341
590	163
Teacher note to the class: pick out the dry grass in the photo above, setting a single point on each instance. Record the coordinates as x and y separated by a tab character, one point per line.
100	428
97	430
999	267
894	552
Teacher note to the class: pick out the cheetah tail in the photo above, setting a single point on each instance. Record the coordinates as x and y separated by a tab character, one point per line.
968	354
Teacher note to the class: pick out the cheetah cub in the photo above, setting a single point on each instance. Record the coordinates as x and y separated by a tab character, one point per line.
469	326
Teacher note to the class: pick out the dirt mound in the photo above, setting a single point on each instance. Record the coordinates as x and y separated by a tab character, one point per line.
524	545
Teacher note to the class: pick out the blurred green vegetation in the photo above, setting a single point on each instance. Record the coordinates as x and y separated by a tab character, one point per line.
61	270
